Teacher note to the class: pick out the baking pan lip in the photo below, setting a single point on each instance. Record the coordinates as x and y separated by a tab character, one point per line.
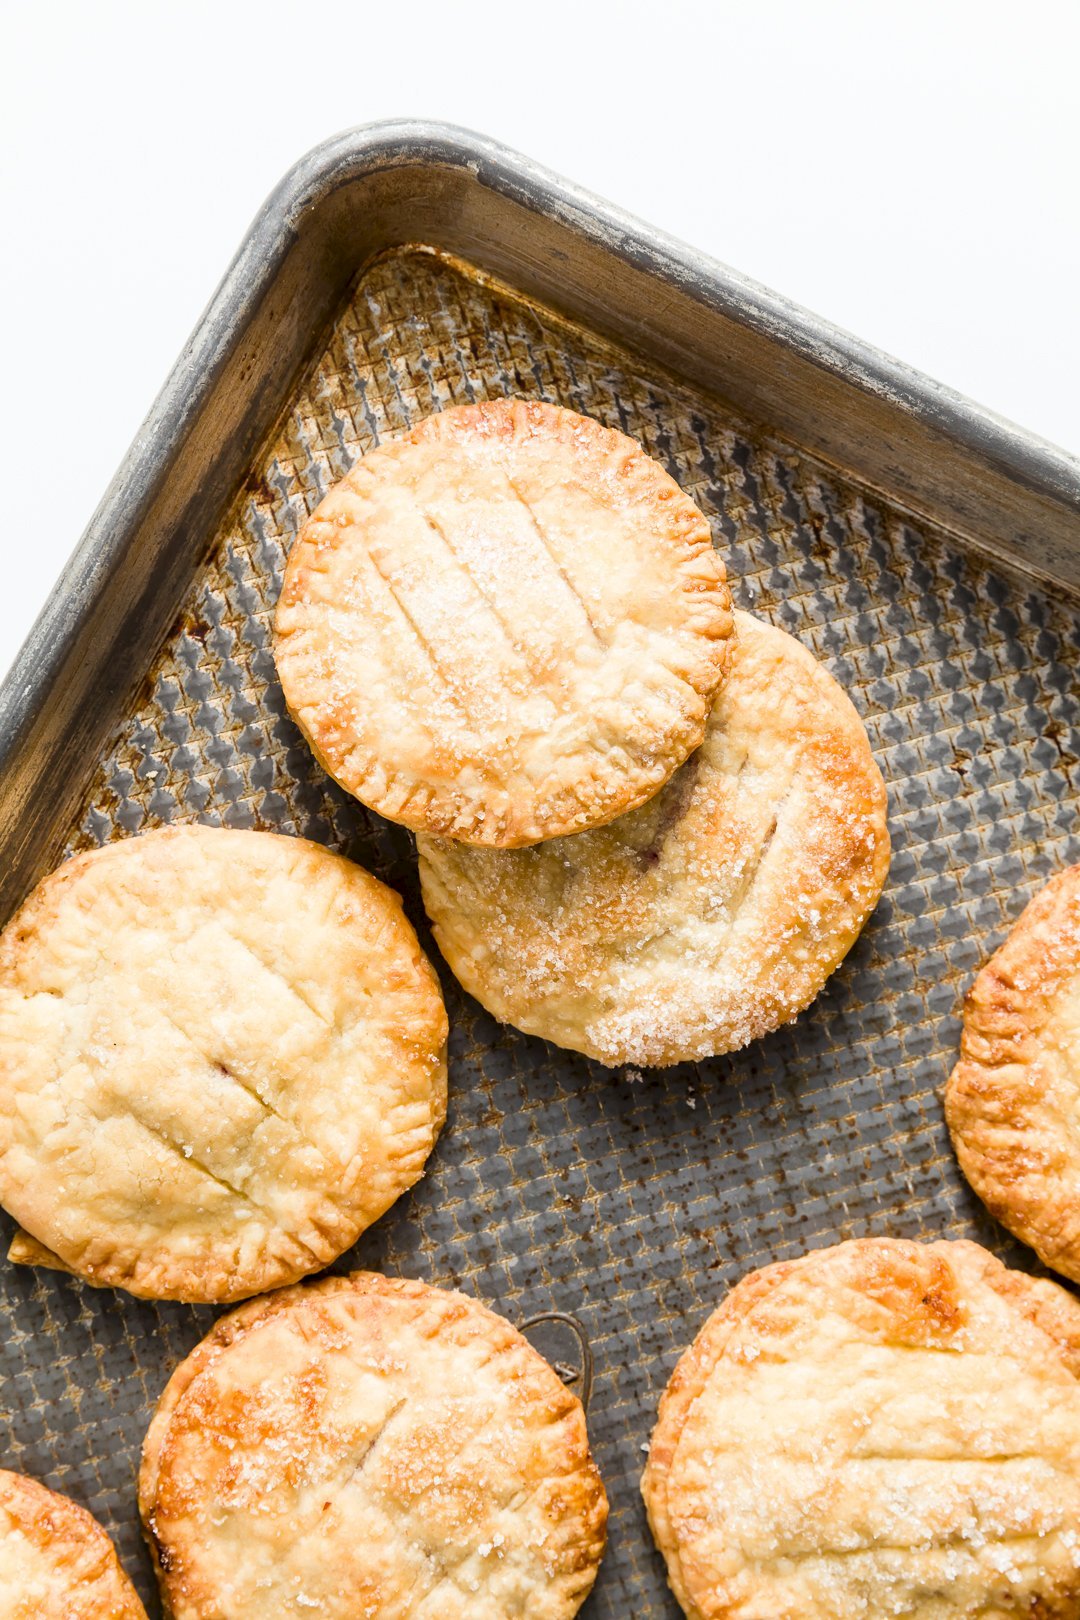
356	154
1023	456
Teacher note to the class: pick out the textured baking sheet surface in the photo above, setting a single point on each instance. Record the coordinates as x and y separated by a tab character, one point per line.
632	1200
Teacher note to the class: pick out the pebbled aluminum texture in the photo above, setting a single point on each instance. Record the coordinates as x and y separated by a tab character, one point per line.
630	1200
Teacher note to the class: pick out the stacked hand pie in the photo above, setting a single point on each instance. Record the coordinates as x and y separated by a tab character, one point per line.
509	630
504	626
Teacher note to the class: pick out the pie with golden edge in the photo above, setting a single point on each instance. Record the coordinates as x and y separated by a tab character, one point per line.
56	1562
222	1056
370	1447
506	625
879	1429
705	918
1012	1101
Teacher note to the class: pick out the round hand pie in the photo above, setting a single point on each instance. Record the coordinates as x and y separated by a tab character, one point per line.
368	1447
222	1056
878	1429
1012	1100
709	916
504	626
56	1562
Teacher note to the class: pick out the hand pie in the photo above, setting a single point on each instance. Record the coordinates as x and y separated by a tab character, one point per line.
368	1447
882	1428
222	1056
1012	1100
506	625
56	1562
705	918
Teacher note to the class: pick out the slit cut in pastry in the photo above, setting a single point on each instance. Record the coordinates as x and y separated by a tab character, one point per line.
222	1056
56	1562
880	1428
1013	1101
505	625
368	1446
707	917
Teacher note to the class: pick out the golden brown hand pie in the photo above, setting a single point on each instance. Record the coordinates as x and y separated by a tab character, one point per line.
1013	1100
705	918
56	1562
878	1429
506	625
222	1056
369	1447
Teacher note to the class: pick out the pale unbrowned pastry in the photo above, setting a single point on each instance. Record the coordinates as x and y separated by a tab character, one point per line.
1013	1100
222	1056
506	625
879	1429
705	918
56	1562
370	1447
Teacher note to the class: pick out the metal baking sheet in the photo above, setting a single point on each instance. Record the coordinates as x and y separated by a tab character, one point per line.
631	1199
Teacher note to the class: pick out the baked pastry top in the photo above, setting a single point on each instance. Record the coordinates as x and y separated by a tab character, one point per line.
222	1056
882	1428
505	625
370	1447
56	1562
1013	1100
705	918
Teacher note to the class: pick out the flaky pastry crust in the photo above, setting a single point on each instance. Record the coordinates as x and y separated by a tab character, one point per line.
707	917
222	1056
882	1428
1012	1101
56	1562
370	1447
505	625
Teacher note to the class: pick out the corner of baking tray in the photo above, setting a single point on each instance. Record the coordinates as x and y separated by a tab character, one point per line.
1025	460
1030	460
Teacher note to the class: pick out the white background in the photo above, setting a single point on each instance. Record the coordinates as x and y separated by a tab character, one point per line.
907	168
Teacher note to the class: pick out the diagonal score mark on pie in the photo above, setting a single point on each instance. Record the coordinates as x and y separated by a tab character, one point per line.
1013	1100
369	1446
706	917
222	1056
882	1428
56	1562
504	626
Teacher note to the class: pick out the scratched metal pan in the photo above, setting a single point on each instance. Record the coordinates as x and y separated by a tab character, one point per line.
927	551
